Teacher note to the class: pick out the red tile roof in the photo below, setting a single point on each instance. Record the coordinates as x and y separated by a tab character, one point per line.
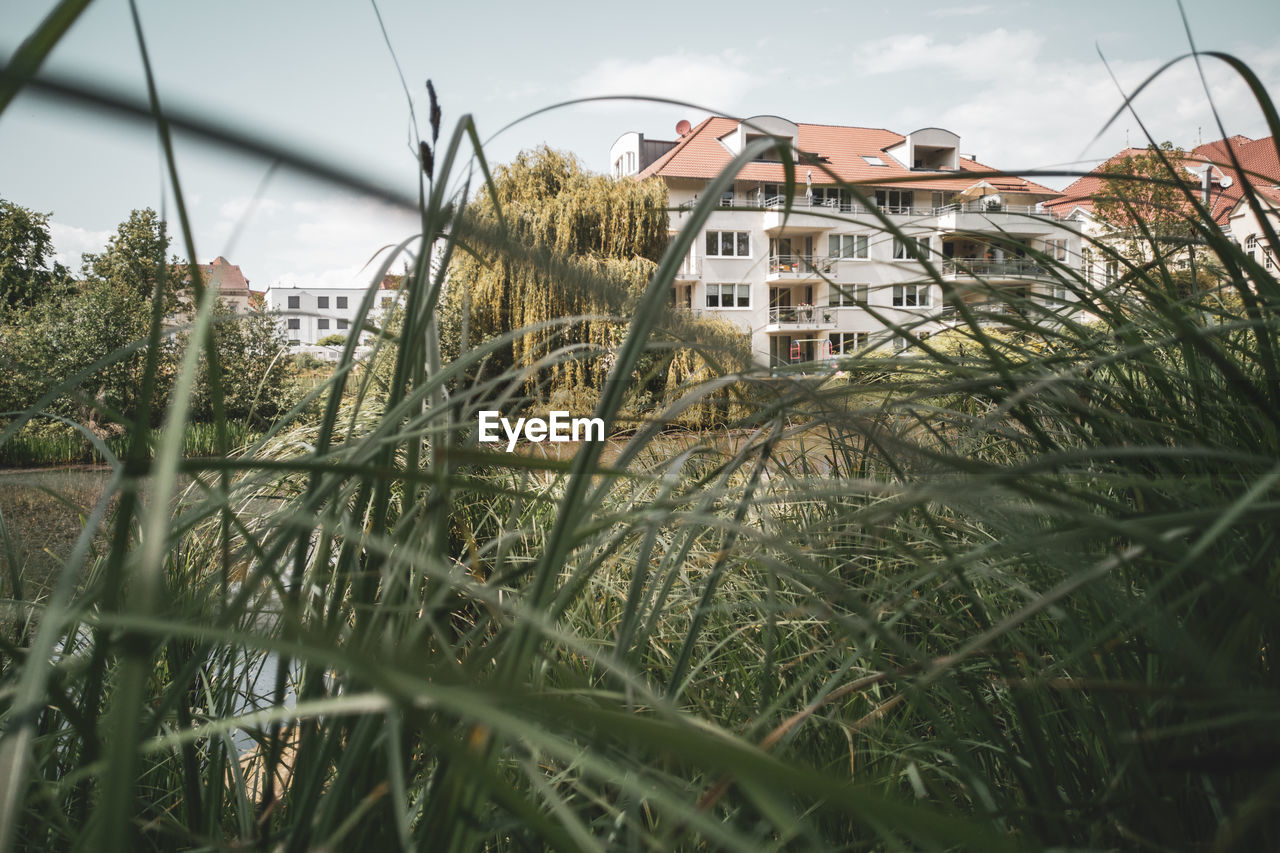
839	151
1257	157
224	275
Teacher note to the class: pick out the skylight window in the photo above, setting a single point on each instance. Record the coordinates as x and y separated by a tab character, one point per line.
874	161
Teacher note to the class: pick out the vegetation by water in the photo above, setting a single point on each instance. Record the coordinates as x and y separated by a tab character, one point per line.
1011	591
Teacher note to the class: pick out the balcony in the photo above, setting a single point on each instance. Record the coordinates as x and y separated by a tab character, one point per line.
985	216
800	268
793	318
992	270
690	270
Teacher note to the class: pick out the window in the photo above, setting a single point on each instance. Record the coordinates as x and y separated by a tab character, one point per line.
386	302
728	296
1057	294
899	343
295	301
895	201
1086	263
342	301
845	295
873	161
726	198
1111	272
910	295
910	248
728	244
342	324
1250	244
322	302
848	246
294	323
834	197
322	323
1056	249
847	343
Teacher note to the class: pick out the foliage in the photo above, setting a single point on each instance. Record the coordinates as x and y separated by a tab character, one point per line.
252	352
27	270
1013	595
63	334
335	340
592	244
1147	197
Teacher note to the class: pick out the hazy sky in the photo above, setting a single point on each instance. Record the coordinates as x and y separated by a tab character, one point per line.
1022	83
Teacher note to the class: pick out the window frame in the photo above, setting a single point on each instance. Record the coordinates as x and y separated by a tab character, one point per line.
340	302
293	303
852	295
861	246
736	293
736	243
901	296
322	302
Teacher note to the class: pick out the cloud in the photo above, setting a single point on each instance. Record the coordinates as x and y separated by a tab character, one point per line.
719	81
1016	108
70	242
990	55
329	241
962	11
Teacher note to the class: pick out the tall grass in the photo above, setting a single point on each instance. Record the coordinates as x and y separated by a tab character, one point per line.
1014	593
32	448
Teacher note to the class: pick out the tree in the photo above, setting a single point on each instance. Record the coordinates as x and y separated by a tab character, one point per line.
66	330
1147	194
578	245
27	271
251	352
135	259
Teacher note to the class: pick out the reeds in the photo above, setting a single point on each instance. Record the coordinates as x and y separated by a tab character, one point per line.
1015	594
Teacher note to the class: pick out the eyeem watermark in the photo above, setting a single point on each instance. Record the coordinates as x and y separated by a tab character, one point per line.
559	427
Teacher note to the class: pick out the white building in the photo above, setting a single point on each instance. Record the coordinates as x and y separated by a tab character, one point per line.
1246	228
309	315
807	283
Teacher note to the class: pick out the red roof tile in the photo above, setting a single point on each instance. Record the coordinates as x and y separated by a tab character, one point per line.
1257	157
839	152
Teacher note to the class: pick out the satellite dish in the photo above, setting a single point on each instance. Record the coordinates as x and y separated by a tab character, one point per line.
683	126
1226	182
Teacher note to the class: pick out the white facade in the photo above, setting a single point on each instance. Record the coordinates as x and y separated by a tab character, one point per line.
827	277
1245	228
308	315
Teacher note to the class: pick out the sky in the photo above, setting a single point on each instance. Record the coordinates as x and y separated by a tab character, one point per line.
1027	85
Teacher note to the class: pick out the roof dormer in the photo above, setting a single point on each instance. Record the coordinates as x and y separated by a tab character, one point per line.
930	149
757	127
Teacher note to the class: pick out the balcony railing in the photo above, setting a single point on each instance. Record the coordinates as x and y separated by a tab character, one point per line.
806	202
984	268
988	207
800	315
801	265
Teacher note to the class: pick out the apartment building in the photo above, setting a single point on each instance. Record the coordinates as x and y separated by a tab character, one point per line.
309	315
818	275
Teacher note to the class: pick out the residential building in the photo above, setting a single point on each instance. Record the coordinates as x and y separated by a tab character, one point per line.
309	315
1211	167
1245	227
818	274
232	286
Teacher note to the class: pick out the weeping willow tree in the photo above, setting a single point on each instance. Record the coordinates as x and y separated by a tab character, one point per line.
563	256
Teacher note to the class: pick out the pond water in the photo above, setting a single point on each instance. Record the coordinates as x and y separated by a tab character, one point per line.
44	511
